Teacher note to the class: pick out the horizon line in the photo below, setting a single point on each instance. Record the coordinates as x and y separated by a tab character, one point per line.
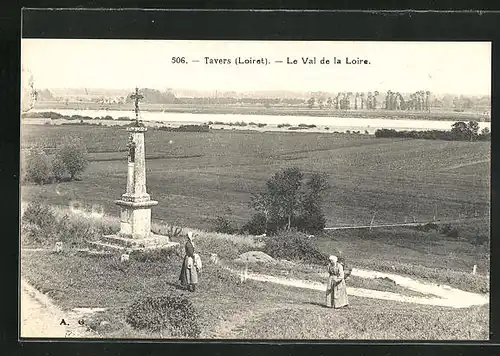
263	90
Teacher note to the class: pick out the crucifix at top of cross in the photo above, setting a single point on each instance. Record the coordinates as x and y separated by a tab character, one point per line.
136	97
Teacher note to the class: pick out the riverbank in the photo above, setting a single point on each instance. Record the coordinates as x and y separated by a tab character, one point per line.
272	110
239	122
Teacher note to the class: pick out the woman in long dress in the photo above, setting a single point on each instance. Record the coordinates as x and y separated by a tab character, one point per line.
336	292
189	272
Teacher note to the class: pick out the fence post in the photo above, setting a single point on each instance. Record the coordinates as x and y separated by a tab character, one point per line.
373	218
474	269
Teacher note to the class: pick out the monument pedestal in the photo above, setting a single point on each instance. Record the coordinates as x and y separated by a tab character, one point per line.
135	218
135	205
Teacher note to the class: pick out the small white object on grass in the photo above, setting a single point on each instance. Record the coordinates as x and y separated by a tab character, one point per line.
59	246
124	257
474	269
214	258
244	274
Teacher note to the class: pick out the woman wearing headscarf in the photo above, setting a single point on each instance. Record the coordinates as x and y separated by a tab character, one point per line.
336	291
189	272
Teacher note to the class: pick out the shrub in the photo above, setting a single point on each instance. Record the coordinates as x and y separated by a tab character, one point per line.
155	255
256	225
41	225
427	227
59	169
75	231
312	221
453	233
481	240
294	245
73	154
38	167
445	229
171	315
186	128
39	215
223	225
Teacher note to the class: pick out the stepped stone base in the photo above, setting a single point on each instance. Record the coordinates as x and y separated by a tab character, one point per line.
124	244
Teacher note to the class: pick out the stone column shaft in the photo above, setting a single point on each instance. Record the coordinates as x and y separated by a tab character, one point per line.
130	178
139	164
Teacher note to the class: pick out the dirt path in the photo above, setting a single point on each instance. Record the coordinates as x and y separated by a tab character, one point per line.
466	164
40	318
437	222
439	295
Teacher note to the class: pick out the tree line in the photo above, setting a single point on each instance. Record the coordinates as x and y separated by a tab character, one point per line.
460	131
422	100
418	101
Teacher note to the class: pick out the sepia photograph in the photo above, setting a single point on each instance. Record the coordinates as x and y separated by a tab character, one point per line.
236	190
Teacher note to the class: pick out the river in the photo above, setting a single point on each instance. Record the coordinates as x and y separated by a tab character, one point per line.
334	123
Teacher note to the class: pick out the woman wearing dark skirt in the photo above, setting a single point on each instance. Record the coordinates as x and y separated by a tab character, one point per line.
189	273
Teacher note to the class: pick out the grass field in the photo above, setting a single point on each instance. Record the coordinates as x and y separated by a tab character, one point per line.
196	176
227	308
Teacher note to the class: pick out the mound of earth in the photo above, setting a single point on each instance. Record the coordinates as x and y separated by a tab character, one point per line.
255	256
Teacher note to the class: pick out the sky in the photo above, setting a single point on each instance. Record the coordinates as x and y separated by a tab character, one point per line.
441	67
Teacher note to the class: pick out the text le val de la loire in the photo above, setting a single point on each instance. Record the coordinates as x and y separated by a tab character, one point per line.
303	60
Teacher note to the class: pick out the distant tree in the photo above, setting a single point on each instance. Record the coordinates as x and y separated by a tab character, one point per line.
369	101
399	101
362	97
375	95
337	101
473	127
310	102
289	202
329	102
265	205
73	155
485	134
284	188
427	101
348	98
459	130
29	93
312	218
388	100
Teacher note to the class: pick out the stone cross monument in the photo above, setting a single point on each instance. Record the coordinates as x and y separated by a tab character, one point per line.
135	204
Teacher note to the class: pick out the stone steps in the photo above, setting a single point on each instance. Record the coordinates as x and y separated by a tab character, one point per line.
123	244
106	246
